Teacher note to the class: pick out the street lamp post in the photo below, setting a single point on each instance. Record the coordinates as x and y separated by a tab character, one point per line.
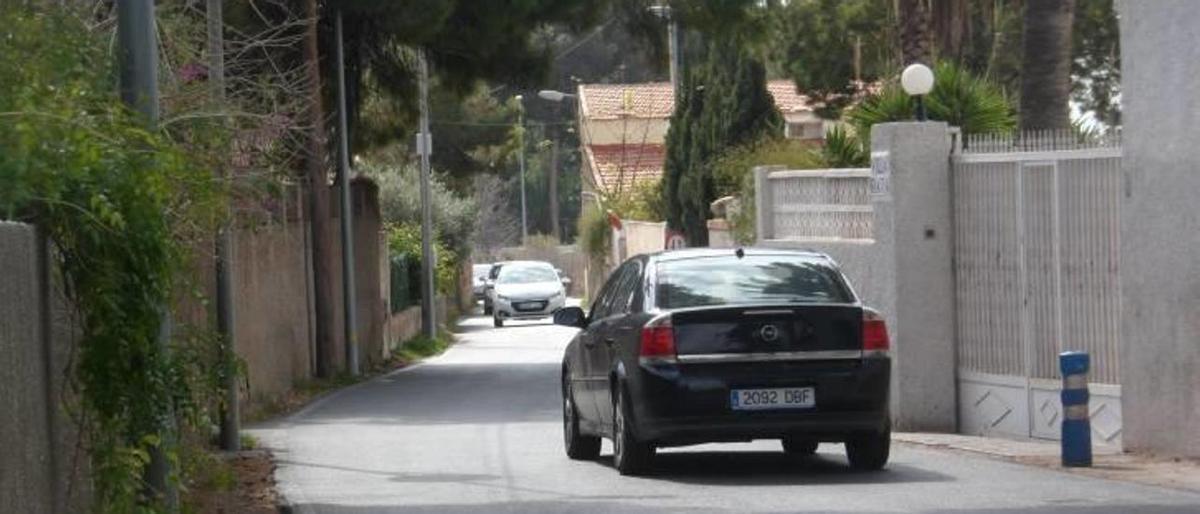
521	163
917	81
674	43
554	96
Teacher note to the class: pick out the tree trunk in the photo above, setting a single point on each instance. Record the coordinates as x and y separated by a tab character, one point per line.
552	175
951	27
914	31
318	202
1046	65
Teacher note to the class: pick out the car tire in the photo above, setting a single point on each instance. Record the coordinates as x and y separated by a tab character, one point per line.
630	456
496	321
869	452
799	446
578	446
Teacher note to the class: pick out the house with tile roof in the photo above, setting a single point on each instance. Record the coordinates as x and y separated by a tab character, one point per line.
623	130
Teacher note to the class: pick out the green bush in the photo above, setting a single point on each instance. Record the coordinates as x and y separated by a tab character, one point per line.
643	201
961	99
595	234
400	201
734	175
843	149
122	205
404	242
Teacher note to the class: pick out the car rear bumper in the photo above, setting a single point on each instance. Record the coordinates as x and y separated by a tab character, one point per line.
688	403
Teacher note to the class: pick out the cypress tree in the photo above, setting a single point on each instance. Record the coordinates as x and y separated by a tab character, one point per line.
725	103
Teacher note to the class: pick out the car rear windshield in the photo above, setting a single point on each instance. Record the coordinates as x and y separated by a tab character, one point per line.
752	279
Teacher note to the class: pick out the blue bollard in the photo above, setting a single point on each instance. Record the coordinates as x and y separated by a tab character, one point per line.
1076	425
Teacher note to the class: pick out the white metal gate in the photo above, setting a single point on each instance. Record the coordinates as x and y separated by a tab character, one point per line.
1037	223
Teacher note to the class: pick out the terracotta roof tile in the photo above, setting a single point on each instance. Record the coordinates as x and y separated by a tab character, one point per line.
657	100
621	166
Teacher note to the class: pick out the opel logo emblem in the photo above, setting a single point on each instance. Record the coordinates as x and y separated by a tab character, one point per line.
769	333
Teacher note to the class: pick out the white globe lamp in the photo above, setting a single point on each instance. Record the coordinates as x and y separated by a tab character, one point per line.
917	81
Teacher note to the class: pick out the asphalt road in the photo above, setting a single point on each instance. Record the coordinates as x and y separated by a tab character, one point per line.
476	430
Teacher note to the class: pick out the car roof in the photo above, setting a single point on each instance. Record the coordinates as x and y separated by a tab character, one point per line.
525	263
694	253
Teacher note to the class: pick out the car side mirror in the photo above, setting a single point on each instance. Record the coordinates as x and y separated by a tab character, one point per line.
570	317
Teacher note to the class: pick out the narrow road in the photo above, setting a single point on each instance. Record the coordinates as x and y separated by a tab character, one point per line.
477	431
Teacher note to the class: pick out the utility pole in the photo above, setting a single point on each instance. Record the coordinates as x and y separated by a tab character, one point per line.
521	162
349	300
675	33
674	44
318	201
138	54
425	147
230	415
553	187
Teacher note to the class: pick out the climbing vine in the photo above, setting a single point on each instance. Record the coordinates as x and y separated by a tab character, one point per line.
120	205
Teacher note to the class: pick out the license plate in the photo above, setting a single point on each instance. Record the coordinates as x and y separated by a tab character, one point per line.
530	306
783	398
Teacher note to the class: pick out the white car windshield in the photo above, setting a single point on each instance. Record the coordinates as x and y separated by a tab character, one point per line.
526	275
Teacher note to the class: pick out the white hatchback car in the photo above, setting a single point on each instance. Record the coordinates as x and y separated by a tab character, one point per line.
527	290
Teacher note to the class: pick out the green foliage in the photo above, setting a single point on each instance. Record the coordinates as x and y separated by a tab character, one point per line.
844	149
733	171
959	98
642	201
734	175
1096	60
421	347
724	104
400	200
594	233
120	204
404	241
814	43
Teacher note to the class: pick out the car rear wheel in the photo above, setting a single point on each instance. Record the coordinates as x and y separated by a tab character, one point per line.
496	321
793	445
579	446
869	452
630	456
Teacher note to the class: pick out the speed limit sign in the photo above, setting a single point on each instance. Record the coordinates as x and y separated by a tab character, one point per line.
675	240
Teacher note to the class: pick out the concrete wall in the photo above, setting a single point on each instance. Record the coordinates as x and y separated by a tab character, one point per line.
272	310
919	228
719	234
629	131
40	471
371	301
905	270
643	237
1160	232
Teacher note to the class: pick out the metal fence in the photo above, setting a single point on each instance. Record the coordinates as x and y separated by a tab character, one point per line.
1037	253
817	204
405	288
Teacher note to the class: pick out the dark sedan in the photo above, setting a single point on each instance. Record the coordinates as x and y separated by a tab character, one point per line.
699	346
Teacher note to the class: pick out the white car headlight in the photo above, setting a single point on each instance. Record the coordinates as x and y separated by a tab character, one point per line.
502	297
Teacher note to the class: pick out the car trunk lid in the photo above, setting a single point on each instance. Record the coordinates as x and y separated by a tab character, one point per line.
769	332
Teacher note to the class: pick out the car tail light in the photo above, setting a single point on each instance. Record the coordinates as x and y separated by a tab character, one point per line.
874	334
658	340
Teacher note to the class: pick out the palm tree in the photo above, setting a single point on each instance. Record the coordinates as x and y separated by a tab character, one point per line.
1046	64
914	31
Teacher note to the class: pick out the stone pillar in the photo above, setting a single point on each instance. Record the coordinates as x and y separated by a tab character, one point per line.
1160	227
764	210
914	226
